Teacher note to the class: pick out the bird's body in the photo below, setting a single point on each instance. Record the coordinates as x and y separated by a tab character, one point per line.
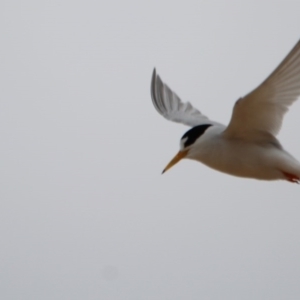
265	159
247	147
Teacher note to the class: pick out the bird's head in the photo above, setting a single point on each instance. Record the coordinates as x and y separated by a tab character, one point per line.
187	143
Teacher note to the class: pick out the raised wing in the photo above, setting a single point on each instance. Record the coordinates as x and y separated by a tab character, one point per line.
169	105
263	109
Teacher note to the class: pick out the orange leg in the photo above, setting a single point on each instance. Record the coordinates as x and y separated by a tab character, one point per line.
291	177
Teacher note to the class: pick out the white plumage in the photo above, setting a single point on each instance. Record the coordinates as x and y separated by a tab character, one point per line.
247	147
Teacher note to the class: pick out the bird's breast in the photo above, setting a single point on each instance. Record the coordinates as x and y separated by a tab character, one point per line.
235	157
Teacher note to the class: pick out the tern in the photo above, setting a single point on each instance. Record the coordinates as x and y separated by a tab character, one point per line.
248	146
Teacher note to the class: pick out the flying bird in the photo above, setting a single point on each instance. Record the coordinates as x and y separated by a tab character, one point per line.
248	146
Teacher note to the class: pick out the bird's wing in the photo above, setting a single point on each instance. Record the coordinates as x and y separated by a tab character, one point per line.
169	105
262	110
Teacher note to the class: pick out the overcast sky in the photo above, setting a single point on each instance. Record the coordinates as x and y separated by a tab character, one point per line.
84	210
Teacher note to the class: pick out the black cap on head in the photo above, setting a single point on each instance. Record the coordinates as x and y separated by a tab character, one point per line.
193	134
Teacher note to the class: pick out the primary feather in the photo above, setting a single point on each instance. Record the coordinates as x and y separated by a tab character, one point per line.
263	109
169	105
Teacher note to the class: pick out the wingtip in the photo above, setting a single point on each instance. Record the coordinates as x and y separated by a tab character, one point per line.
152	86
154	73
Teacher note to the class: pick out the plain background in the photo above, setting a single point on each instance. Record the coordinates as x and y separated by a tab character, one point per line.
84	211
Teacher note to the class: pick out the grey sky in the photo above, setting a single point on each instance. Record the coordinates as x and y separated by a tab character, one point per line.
84	211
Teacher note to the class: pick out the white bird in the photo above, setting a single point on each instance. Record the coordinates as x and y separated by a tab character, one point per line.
247	147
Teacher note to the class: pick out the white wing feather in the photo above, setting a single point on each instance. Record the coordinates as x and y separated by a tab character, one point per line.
263	109
169	105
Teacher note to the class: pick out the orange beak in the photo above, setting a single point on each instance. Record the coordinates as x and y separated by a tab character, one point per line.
179	156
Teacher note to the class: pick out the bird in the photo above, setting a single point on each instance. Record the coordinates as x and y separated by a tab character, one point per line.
248	146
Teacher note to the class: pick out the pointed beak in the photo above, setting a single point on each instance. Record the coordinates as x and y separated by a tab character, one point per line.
179	156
